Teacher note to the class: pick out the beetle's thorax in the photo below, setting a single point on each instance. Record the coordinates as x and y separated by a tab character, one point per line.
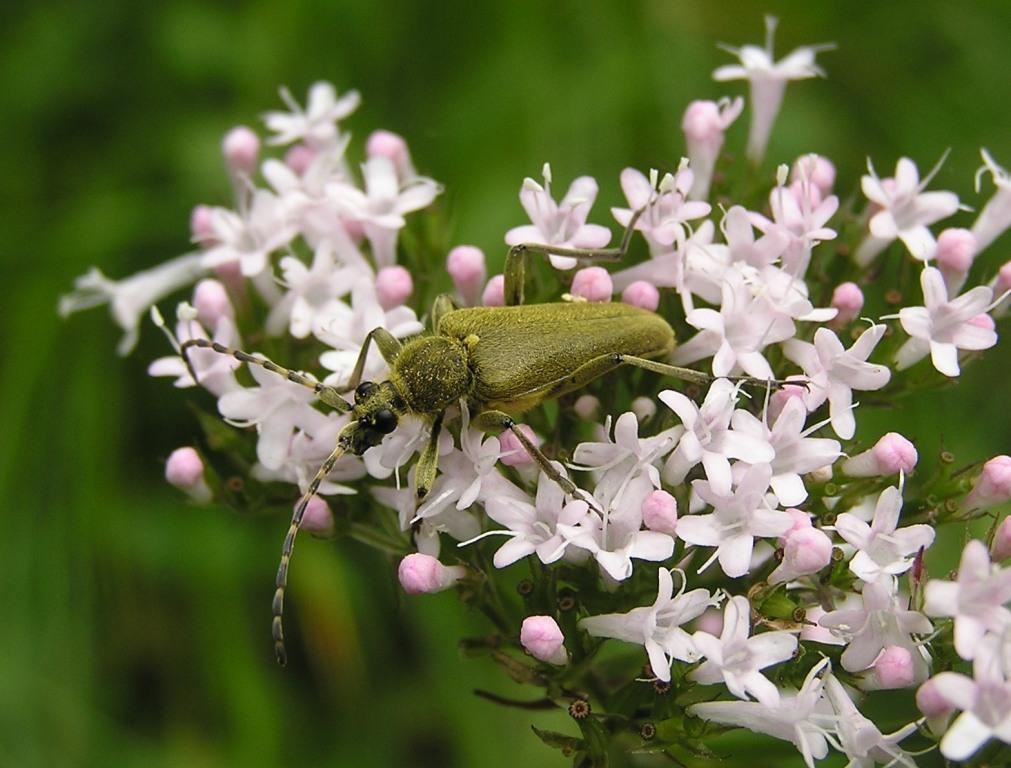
431	373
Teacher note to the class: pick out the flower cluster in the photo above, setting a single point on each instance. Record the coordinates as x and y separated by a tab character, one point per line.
797	546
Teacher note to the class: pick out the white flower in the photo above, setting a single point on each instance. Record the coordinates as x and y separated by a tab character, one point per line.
249	237
802	220
880	547
664	222
735	659
736	335
768	79
860	739
277	407
798	718
215	371
562	224
976	599
739	232
708	438
628	460
883	620
380	209
616	539
796	453
985	702
545	527
316	125
130	298
657	627
905	211
995	217
737	519
833	372
943	327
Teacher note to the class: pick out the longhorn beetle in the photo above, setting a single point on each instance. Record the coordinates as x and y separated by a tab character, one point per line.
502	360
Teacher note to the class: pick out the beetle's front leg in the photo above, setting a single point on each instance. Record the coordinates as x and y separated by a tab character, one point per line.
516	259
389	347
488	421
443	304
428	463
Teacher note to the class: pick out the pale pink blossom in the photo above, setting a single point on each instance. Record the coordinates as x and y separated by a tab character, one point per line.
562	224
704	124
665	221
316	125
394	147
985	701
859	739
815	169
942	326
995	217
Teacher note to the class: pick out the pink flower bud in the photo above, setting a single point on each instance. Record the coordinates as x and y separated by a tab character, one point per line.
393	286
201	228
241	148
660	512
466	267
931	701
894	667
211	302
891	454
704	125
391	145
780	397
1001	547
423	574
806	550
993	486
642	294
185	470
587	407
701	122
317	518
956	249
494	292
819	172
516	453
801	520
849	300
543	639
299	158
1003	283
593	284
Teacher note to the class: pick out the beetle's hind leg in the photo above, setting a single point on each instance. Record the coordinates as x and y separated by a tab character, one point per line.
329	395
516	259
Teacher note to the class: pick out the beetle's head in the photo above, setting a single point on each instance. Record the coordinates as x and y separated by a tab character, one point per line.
375	414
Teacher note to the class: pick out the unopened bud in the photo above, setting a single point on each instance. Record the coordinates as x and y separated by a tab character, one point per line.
1001	547
241	148
931	701
514	454
494	292
593	284
644	408
642	294
891	454
211	302
849	300
466	266
393	286
660	512
423	574
817	170
542	637
299	158
587	407
993	486
393	146
317	518
201	226
806	550
779	399
185	470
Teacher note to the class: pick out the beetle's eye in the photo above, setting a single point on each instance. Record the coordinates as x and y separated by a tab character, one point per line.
364	389
385	421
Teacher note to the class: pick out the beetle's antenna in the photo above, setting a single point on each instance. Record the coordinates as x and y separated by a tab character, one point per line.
277	625
329	395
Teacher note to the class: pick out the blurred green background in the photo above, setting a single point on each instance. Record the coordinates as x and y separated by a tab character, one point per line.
135	626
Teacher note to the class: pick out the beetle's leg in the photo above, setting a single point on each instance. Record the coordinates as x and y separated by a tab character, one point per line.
515	265
428	463
443	304
698	377
488	421
326	393
389	347
277	626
